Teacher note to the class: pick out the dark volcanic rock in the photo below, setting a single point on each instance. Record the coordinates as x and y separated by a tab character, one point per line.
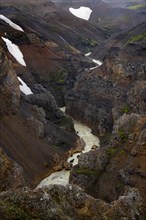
121	81
103	95
92	98
70	202
47	102
105	172
9	86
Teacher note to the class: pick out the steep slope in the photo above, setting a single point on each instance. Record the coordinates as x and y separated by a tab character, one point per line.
129	39
25	129
48	50
59	21
104	14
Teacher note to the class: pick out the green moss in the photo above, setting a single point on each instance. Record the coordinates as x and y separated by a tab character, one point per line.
88	172
121	152
12	211
56	198
62	81
90	42
50	77
136	6
122	135
137	38
67	123
111	151
61	74
126	109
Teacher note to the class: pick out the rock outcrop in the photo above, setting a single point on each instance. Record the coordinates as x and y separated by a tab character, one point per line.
9	87
104	172
70	202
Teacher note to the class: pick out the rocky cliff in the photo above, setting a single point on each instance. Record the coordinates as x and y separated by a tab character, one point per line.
113	93
71	202
33	131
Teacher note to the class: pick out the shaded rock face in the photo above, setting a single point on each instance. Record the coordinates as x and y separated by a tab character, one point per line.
70	202
34	119
47	102
92	98
9	88
120	162
103	95
47	121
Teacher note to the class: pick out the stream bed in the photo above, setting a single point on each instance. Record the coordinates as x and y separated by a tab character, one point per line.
62	177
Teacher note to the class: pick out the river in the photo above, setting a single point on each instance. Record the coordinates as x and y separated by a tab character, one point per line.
62	177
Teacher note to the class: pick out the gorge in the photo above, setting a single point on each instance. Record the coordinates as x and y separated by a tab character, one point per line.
88	56
90	141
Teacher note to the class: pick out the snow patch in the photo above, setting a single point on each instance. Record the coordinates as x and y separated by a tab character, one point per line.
88	54
11	23
15	51
82	12
24	88
98	62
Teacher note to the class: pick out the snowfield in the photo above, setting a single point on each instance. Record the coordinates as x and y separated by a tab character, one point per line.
11	23
24	88
82	12
15	51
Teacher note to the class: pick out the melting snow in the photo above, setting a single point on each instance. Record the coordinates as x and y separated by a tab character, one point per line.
11	23
15	51
98	62
24	88
82	12
88	54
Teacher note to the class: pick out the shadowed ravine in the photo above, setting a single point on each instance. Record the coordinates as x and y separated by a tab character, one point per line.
62	177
